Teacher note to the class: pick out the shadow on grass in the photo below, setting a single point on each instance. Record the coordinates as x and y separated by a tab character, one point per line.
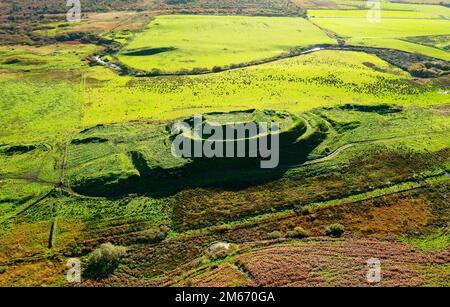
148	51
224	173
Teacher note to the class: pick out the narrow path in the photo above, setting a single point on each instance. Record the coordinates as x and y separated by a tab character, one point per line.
347	146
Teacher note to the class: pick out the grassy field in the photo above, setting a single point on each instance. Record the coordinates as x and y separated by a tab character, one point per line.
109	23
294	264
388	10
297	84
52	58
402	44
384	14
394	28
175	43
387	28
85	149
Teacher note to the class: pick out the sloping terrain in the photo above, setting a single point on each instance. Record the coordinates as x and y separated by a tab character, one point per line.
85	145
203	42
319	262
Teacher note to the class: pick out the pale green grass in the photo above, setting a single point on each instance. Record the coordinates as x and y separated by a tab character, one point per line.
37	110
430	6
352	5
423	1
208	41
434	41
24	164
438	10
391	31
15	195
386	28
52	29
116	166
45	58
363	14
431	131
400	45
297	84
103	211
41	93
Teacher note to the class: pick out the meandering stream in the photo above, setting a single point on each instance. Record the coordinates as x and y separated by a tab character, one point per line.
402	59
98	59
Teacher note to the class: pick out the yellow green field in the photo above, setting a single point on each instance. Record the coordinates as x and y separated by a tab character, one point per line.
207	41
88	171
396	24
387	28
297	84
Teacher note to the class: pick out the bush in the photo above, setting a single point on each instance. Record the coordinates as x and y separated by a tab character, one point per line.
422	71
334	230
155	72
104	260
160	236
274	235
298	233
199	70
216	69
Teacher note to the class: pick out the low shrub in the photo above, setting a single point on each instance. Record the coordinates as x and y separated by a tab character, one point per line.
274	235
422	71
298	233
160	236
334	230
104	260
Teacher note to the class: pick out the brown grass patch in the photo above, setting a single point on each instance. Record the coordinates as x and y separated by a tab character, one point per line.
224	275
402	216
381	216
25	240
36	274
111	21
334	263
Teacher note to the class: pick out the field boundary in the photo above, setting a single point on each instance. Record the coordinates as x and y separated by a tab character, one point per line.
123	69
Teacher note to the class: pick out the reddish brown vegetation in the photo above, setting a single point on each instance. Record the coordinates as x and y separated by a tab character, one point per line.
326	262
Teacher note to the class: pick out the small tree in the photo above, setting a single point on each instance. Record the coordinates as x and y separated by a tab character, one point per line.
334	230
104	260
